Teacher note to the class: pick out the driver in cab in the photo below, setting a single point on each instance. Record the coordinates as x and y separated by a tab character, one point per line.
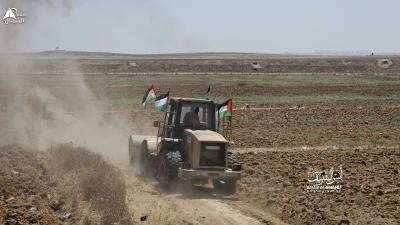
191	119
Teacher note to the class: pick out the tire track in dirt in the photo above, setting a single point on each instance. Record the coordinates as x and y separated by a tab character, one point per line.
187	205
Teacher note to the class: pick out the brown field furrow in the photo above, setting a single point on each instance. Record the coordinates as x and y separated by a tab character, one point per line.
293	115
370	191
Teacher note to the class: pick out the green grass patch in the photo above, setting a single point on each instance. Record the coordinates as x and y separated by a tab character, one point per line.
221	79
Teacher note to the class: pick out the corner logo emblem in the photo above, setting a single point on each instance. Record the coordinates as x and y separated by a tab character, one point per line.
13	17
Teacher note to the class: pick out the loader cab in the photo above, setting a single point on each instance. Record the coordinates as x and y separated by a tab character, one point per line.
187	113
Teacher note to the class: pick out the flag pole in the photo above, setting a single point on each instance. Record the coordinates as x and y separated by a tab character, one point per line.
217	118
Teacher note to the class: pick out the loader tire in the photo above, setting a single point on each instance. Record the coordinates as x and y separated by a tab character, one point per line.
225	187
231	160
168	168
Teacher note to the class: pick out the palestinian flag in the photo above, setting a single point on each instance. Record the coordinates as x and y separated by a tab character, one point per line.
207	96
149	96
225	109
161	102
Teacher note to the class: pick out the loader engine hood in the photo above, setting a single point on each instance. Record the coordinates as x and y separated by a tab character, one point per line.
206	149
207	136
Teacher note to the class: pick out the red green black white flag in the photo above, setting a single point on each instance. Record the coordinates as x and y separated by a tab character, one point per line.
225	109
208	93
161	102
149	96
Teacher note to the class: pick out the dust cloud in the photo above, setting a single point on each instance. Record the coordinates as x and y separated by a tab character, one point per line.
38	115
12	37
51	23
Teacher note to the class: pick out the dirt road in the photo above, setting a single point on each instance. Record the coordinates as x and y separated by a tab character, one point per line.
188	205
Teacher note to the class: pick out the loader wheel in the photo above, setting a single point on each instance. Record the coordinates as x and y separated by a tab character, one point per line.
168	168
231	159
225	187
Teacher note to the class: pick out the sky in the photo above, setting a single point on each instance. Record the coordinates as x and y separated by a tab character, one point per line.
166	26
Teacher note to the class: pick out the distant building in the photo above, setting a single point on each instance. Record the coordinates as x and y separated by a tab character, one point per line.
384	63
255	65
